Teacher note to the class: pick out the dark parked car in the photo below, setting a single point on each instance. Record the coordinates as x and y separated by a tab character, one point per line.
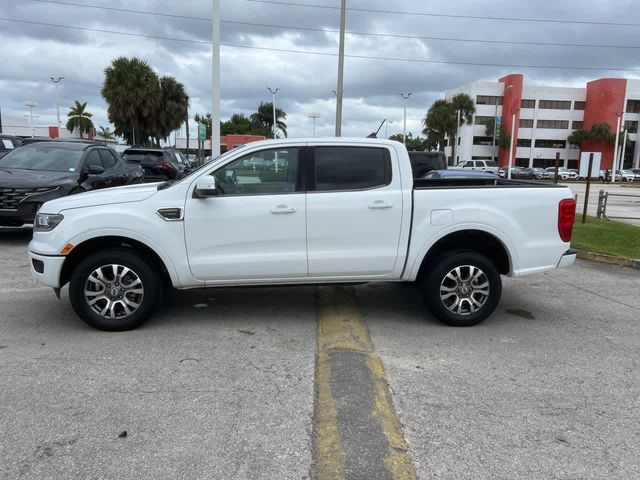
423	162
8	143
158	164
33	174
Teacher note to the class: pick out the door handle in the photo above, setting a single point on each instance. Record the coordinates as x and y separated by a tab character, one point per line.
379	204
283	209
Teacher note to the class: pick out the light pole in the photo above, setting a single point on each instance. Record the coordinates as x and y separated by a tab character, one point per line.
513	129
215	80
340	89
31	105
624	148
615	150
55	83
405	97
313	116
273	105
386	128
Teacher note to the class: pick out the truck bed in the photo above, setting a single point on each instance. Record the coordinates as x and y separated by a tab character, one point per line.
420	184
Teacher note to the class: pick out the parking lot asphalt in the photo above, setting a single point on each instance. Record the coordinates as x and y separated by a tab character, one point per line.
220	383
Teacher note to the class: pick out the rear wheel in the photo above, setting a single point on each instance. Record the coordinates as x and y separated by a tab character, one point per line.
462	289
114	290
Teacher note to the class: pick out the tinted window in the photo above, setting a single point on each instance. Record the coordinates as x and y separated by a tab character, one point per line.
107	158
40	156
142	157
491	163
351	168
469	165
93	160
260	173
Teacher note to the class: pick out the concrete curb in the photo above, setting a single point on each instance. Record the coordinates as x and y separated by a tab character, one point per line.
610	259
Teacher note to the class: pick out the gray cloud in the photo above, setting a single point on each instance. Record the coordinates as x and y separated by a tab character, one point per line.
36	52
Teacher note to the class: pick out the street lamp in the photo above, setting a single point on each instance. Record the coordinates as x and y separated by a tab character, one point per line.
513	129
615	148
313	116
55	83
273	104
31	105
405	97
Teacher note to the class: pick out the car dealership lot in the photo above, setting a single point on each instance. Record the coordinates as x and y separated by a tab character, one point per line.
220	384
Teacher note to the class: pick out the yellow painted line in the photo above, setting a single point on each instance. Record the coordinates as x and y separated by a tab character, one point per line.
341	329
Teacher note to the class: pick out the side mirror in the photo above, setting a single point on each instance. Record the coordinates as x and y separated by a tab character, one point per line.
206	187
94	170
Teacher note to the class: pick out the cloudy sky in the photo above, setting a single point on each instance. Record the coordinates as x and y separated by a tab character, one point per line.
33	52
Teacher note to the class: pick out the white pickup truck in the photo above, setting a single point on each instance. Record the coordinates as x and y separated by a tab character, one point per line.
313	211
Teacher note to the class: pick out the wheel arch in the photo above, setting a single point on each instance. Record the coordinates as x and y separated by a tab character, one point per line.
91	245
481	241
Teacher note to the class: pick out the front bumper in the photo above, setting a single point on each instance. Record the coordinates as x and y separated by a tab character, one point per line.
46	269
18	219
568	258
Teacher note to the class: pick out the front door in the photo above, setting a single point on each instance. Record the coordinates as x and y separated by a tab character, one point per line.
255	228
354	212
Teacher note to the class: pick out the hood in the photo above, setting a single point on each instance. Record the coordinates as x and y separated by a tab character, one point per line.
16	178
108	196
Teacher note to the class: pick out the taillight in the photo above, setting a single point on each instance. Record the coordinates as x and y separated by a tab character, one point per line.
566	217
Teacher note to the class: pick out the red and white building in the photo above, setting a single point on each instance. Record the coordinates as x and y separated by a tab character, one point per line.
543	117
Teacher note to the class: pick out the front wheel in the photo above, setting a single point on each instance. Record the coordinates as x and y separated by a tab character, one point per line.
114	290
462	288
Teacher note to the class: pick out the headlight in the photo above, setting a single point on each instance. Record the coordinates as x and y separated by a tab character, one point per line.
46	222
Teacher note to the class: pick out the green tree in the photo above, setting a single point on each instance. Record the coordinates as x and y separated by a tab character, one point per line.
578	137
417	144
238	124
262	120
172	109
439	122
105	132
133	95
79	119
503	139
601	132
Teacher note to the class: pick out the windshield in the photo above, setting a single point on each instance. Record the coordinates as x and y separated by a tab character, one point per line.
40	156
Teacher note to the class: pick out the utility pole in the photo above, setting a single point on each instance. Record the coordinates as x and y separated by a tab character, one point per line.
495	127
405	97
624	148
31	105
386	127
274	127
340	89
215	80
615	150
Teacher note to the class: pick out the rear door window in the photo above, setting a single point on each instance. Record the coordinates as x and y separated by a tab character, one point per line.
107	159
351	168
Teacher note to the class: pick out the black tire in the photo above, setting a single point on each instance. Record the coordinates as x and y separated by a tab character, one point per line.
437	278
117	319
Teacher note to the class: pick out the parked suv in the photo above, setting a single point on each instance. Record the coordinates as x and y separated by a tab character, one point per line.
563	173
481	165
158	165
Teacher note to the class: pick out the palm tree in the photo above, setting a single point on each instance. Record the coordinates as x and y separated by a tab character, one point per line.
105	132
79	119
172	109
439	122
132	92
263	119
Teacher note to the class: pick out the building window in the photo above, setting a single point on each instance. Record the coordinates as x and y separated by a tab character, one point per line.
526	123
480	120
524	142
527	103
482	140
488	100
573	164
546	162
557	124
631	126
577	124
578	105
522	162
459	138
633	106
480	158
551	144
555	104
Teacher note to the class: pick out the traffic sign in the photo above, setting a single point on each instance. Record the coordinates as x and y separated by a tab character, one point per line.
202	132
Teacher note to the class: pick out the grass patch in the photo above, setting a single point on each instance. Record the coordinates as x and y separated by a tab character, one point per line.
606	236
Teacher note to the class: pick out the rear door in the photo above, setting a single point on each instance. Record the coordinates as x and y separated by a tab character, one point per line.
354	211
